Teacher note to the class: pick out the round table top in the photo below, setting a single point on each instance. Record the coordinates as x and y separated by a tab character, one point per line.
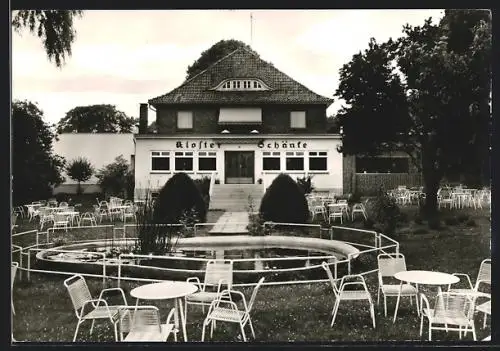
427	277
163	291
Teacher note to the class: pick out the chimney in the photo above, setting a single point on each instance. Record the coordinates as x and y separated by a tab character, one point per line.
143	119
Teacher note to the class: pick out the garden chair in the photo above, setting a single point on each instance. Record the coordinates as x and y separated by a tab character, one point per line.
218	273
20	211
223	309
444	198
13	270
349	294
483	277
87	308
104	210
451	312
317	208
486	309
63	204
45	214
13	220
88	217
358	208
129	212
388	265
60	221
142	323
335	212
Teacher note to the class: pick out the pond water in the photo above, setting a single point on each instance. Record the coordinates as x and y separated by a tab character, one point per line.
283	258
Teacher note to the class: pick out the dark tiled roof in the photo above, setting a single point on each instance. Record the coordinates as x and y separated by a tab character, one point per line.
241	63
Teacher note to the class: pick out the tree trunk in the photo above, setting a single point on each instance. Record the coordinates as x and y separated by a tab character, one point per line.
432	178
78	189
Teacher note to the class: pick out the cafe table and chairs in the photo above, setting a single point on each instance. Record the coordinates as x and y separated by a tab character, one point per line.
422	277
168	290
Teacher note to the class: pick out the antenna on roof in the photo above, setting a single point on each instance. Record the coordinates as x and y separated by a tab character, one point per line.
251	28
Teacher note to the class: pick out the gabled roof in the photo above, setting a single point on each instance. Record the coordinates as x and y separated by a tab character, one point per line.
241	63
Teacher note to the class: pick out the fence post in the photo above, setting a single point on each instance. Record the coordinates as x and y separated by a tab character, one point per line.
119	273
349	258
104	270
29	265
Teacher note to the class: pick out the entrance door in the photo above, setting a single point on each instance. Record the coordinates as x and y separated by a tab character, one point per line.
239	167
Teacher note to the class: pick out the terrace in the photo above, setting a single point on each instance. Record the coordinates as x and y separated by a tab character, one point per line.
298	311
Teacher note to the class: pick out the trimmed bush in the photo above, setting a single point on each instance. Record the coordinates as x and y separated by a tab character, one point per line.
385	212
284	202
178	196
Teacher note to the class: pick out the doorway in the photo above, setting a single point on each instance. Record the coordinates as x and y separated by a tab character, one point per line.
239	167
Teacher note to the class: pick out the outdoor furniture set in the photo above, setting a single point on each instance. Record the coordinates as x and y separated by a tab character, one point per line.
143	323
452	310
329	208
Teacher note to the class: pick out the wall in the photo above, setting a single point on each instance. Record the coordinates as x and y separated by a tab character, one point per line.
331	179
275	118
369	183
99	148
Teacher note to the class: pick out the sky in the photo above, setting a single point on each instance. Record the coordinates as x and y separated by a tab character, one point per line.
126	57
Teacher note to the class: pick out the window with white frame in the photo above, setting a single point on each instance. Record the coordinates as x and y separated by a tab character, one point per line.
207	161
271	161
242	84
184	120
295	161
297	119
317	160
160	161
184	161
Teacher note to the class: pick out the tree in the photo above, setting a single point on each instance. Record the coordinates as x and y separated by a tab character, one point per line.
35	168
447	80
214	54
377	111
115	178
80	169
96	119
448	87
54	27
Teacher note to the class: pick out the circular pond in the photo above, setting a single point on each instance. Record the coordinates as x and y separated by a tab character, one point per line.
280	258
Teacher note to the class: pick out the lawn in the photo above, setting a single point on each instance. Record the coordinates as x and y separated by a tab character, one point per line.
286	313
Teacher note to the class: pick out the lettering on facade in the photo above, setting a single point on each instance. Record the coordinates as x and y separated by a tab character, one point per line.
196	145
282	145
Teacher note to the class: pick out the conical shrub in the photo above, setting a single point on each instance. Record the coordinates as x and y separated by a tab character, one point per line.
178	196
284	201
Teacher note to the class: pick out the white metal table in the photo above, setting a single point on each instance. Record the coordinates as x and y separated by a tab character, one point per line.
166	291
423	278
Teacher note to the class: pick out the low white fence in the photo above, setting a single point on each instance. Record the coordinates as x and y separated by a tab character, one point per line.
380	243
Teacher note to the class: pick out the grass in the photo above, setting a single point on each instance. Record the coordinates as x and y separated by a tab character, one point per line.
286	313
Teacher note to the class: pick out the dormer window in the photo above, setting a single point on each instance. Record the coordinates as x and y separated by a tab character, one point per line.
252	84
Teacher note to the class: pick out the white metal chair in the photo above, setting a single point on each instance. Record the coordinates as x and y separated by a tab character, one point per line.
218	273
87	308
445	197
63	204
343	294
388	265
358	208
335	212
60	221
88	217
483	277
486	309
451	312
13	220
142	323
223	309
45	215
129	212
13	270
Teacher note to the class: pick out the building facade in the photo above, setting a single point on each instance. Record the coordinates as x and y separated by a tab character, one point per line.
243	121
